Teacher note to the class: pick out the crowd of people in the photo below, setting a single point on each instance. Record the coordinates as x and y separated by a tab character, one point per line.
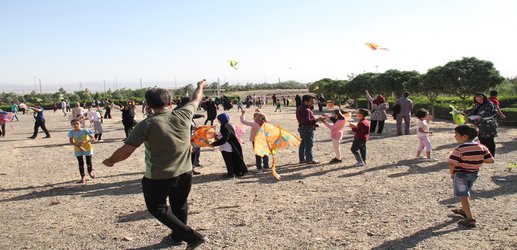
171	163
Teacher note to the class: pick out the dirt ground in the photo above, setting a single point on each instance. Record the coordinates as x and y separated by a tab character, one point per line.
394	202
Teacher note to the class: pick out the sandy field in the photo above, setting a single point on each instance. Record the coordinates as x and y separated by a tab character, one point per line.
395	202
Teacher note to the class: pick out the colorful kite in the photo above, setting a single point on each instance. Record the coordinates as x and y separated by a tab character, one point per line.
270	138
233	63
6	117
374	46
239	130
203	136
457	116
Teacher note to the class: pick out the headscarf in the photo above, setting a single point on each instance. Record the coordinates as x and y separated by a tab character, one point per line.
223	118
485	98
379	100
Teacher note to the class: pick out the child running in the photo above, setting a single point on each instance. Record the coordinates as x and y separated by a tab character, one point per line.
81	139
259	119
336	133
97	124
362	131
464	165
423	133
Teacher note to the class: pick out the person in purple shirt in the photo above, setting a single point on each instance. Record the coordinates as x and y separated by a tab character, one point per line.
306	126
405	105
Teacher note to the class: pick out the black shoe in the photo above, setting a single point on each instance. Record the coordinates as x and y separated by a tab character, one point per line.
335	160
176	242
32	137
198	165
45	137
194	245
228	176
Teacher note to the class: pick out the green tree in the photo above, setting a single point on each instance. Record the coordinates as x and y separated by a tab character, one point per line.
318	86
470	75
430	84
355	88
391	81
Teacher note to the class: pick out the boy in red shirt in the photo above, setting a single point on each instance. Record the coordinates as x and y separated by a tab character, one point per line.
362	131
495	101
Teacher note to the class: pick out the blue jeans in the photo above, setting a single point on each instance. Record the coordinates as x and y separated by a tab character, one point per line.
463	183
305	149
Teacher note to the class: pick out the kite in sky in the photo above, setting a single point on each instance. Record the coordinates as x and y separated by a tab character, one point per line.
270	138
204	136
233	63
374	46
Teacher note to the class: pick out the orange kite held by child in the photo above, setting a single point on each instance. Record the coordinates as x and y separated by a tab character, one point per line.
270	138
374	46
203	136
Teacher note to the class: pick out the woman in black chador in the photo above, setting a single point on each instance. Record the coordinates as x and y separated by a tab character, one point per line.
231	148
211	111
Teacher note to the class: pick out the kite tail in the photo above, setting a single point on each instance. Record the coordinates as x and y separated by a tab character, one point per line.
273	168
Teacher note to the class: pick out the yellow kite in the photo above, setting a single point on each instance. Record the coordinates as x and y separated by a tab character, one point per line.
270	138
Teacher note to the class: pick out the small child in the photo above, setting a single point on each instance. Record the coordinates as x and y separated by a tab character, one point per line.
464	165
97	124
423	134
239	104
362	131
278	106
495	101
81	139
336	132
259	119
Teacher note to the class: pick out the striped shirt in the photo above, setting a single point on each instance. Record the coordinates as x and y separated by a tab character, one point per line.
468	157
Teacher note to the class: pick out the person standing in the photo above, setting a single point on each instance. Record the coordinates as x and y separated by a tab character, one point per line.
298	100
108	105
484	115
405	105
306	126
63	107
168	162
39	121
14	109
211	111
378	116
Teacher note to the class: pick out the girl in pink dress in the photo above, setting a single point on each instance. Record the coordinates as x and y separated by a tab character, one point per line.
336	132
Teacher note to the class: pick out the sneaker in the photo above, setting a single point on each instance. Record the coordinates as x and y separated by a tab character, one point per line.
46	137
431	159
420	158
32	137
359	164
313	162
100	140
302	162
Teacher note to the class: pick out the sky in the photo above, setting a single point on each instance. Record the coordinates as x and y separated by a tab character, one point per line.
75	44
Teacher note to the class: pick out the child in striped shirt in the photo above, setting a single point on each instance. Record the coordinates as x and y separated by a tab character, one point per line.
464	164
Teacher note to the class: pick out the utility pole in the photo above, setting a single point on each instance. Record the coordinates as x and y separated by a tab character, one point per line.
40	90
140	82
104	86
80	86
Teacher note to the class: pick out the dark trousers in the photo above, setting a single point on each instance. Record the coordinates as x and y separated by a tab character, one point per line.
173	216
228	161
2	130
128	126
107	115
489	143
373	125
98	136
359	149
305	148
37	125
196	152
80	159
211	122
261	161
